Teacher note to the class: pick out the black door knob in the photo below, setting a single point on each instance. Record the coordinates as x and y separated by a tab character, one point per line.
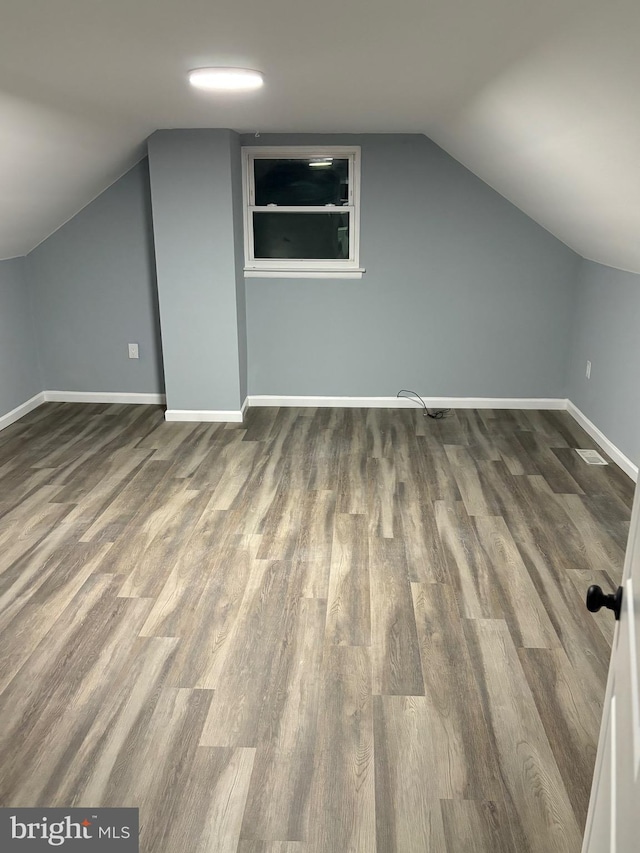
597	599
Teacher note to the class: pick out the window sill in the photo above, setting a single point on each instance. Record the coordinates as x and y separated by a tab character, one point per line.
255	273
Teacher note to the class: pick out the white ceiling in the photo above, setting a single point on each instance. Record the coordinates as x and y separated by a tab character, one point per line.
537	97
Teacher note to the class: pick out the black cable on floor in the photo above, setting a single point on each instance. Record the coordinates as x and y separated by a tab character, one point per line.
436	414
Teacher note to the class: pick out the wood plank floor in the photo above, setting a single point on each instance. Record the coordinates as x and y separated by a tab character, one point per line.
321	631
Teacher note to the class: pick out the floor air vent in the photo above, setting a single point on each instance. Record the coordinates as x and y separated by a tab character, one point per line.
592	457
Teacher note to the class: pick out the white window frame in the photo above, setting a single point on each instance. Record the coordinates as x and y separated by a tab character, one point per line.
302	267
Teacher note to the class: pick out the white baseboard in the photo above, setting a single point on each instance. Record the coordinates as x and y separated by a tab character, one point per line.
103	397
601	439
404	403
21	410
234	416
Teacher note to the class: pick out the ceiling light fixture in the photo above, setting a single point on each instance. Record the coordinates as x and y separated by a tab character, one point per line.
325	161
226	79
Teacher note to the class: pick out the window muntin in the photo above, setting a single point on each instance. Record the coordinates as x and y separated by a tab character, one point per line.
301	208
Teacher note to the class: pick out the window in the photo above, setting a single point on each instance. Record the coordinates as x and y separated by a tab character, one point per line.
301	211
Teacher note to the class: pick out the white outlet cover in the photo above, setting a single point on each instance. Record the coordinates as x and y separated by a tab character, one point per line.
133	351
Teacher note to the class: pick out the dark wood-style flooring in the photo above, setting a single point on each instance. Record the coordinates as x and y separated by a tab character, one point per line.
322	631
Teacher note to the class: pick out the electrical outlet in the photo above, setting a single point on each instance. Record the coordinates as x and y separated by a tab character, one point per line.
588	370
133	351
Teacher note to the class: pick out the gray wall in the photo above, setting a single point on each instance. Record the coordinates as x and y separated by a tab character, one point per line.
192	200
606	331
94	292
19	371
464	295
238	241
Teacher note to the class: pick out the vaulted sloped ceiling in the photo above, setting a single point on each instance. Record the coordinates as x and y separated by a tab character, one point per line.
539	99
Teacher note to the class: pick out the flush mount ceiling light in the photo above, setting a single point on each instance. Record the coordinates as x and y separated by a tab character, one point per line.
225	79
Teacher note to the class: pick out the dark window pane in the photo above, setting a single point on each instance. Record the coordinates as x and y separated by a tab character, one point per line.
313	236
317	181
